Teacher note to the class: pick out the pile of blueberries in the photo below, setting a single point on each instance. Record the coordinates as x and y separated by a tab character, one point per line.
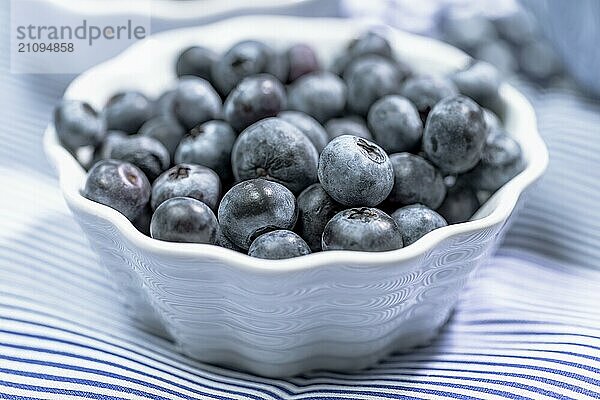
512	42
267	153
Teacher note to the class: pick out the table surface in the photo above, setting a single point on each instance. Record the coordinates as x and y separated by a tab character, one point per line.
528	325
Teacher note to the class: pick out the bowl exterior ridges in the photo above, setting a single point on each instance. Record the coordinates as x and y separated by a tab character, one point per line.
336	317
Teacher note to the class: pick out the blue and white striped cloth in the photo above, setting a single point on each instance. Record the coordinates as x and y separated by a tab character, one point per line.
528	326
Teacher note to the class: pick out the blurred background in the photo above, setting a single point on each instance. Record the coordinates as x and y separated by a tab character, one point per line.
548	42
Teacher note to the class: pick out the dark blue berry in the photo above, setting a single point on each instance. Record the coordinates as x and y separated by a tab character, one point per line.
460	204
501	161
104	149
196	61
352	125
321	95
415	221
127	112
516	27
455	134
426	91
278	245
224	241
196	102
77	124
142	222
395	124
315	209
146	153
187	180
480	81
254	98
369	43
416	181
164	106
166	130
468	31
279	65
362	229
500	54
184	220
309	126
276	150
119	185
369	79
355	172
243	59
254	207
209	144
492	121
302	60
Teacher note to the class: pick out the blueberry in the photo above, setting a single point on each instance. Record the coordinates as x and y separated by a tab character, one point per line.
416	181
279	66
315	209
498	53
146	153
395	124
127	111
455	134
164	129
369	79
184	220
501	161
321	95
426	91
119	185
77	124
479	81
492	121
313	130
209	144
275	150
369	43
362	229
468	32
516	27
340	63
224	241
254	98
164	106
104	149
278	245
187	180
415	221
196	102
196	61
302	60
355	172
352	125
142	222
243	59
254	207
460	203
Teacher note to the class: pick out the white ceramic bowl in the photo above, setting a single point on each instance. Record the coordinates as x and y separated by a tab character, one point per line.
335	310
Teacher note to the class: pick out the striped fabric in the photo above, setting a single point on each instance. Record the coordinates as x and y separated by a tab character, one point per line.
528	326
562	219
